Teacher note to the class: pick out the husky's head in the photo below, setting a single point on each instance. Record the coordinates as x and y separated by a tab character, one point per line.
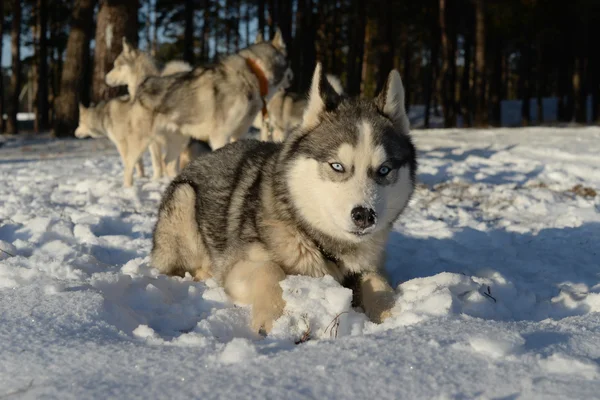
272	59
130	66
88	123
350	167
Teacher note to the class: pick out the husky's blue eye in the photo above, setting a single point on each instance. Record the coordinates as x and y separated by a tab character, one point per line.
383	171
337	167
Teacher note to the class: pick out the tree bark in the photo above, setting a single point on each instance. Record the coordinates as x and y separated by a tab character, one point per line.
496	87
1	73
357	48
41	117
446	76
525	85
206	31
406	70
431	76
480	103
261	16
465	86
365	59
541	82
188	36
15	78
76	58
386	49
579	92
116	19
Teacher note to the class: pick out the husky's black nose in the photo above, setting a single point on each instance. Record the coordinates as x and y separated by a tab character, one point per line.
363	217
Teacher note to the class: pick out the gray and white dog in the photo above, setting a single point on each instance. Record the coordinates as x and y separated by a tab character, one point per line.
285	111
323	202
216	103
132	67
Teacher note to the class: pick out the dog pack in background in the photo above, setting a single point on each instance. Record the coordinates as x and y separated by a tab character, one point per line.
215	104
321	203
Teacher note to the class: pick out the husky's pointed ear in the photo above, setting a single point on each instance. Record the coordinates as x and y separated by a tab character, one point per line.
259	38
82	109
278	41
322	97
126	45
391	102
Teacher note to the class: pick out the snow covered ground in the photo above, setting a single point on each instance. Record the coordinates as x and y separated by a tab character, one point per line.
497	267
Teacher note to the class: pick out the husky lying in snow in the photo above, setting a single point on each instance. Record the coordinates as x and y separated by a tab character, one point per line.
322	202
131	68
284	113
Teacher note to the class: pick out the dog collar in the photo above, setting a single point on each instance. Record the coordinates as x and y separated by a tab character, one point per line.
263	82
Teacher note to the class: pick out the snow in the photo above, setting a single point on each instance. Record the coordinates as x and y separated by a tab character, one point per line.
496	266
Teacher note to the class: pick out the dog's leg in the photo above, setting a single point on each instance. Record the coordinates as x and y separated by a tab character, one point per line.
257	283
376	296
217	141
133	152
139	169
157	163
264	133
176	143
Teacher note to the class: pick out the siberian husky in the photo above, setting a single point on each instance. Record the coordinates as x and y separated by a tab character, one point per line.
131	68
215	103
321	203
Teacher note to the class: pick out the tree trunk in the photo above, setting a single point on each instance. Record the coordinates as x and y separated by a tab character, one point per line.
41	117
356	51
562	87
446	81
496	87
15	78
206	31
386	49
188	35
465	86
76	58
431	77
272	13
116	19
1	73
284	19
525	85
579	92
541	83
406	78
247	23
480	103
261	16
365	59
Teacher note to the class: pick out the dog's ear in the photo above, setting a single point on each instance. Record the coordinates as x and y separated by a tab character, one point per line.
126	45
322	98
82	109
278	41
391	102
259	38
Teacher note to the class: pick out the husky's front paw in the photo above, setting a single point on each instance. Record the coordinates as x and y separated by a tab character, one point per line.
379	306
263	316
377	297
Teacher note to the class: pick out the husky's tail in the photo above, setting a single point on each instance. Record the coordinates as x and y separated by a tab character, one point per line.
335	83
175	67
